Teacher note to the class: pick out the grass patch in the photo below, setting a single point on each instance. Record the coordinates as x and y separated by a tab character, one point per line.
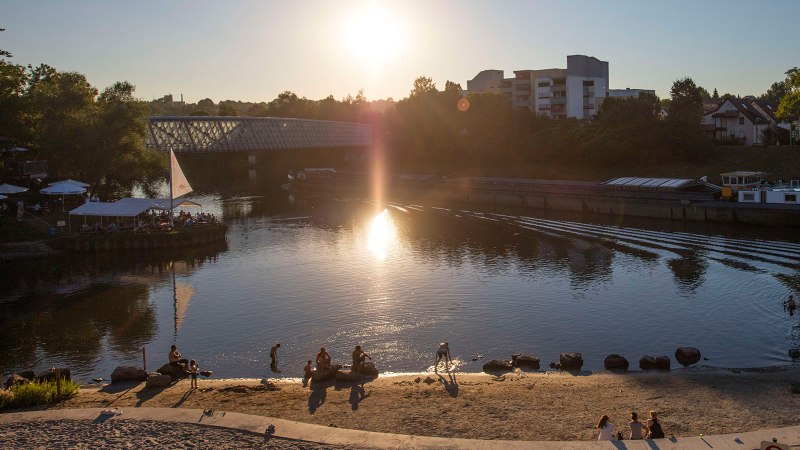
35	393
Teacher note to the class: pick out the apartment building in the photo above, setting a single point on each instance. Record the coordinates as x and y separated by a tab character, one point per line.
576	91
629	93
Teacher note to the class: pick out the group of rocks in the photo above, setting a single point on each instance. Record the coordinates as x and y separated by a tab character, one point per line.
574	361
364	371
29	375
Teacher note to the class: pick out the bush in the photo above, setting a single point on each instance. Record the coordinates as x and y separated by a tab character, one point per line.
36	393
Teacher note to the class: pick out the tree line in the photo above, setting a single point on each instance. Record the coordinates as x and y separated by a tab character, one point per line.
98	136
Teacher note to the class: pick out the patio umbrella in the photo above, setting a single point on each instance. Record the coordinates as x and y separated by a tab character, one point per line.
6	188
71	181
63	188
3	197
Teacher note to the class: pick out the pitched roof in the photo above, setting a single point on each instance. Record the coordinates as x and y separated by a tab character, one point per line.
767	108
745	108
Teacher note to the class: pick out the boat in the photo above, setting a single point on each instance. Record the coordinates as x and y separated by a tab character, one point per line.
733	182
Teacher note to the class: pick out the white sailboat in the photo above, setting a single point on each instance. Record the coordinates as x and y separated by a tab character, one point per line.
178	184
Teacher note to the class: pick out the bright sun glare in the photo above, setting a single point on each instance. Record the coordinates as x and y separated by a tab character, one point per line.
375	36
382	235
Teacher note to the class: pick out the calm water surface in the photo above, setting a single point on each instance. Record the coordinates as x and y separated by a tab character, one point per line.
400	278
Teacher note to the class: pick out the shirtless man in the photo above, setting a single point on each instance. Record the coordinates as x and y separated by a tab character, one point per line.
359	356
273	352
443	353
323	359
175	359
791	304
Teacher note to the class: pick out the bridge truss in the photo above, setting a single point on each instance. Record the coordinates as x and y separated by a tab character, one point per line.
189	134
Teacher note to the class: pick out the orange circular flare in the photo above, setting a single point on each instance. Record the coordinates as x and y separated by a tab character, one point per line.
463	105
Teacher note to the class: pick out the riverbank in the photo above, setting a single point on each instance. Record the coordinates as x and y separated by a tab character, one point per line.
518	406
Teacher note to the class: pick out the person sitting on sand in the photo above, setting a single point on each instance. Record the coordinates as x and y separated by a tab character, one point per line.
443	353
359	357
307	371
654	430
175	359
323	359
606	429
636	427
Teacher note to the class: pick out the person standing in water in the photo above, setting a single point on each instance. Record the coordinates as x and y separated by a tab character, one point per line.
443	353
273	356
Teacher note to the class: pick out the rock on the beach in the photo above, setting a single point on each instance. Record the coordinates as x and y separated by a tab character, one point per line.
523	360
15	379
571	361
687	355
794	353
324	375
368	369
155	379
348	376
650	363
128	373
497	365
50	374
176	373
615	362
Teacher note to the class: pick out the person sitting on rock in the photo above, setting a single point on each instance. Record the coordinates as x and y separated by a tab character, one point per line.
323	359
359	357
175	359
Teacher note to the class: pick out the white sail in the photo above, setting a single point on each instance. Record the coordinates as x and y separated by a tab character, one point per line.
178	183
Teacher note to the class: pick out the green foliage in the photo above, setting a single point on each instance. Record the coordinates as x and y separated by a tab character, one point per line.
789	108
227	110
35	393
683	122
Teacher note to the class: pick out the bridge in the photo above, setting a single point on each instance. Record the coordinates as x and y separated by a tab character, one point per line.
203	134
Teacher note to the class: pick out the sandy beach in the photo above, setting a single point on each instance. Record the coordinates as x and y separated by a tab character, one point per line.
520	406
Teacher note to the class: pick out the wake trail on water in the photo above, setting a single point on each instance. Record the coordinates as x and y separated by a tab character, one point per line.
740	254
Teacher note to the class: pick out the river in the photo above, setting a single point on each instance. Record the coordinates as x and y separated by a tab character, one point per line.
400	278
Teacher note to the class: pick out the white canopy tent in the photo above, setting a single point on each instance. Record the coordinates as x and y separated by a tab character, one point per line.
128	208
6	188
71	181
63	188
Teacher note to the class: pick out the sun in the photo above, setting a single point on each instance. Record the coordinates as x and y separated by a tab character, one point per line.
374	35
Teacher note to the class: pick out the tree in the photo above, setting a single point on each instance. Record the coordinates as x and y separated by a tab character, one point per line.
423	86
685	115
225	109
715	95
206	104
789	108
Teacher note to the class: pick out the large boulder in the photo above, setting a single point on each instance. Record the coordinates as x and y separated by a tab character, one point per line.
16	379
50	374
324	375
658	363
176	373
155	379
571	361
497	365
526	361
368	369
128	373
347	376
687	355
615	362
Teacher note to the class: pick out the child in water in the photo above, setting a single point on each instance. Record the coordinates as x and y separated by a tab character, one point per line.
193	371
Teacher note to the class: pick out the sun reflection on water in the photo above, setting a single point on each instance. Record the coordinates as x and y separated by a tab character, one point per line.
382	235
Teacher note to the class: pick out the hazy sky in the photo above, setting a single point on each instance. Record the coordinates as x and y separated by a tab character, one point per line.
253	50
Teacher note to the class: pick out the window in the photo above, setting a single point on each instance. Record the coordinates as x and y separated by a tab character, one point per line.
741	120
588	82
748	196
544	84
790	198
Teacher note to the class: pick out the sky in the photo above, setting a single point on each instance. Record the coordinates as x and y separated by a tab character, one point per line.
254	50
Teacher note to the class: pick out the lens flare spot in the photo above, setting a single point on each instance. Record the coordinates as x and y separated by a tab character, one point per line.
463	104
382	235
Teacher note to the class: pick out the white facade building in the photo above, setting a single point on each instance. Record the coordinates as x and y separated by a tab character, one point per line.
576	91
740	121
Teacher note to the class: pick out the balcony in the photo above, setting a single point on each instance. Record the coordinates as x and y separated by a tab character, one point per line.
558	100
523	87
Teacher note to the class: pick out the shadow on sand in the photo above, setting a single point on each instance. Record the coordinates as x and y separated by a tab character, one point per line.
319	392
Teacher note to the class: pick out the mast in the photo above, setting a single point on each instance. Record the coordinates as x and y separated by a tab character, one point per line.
171	196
